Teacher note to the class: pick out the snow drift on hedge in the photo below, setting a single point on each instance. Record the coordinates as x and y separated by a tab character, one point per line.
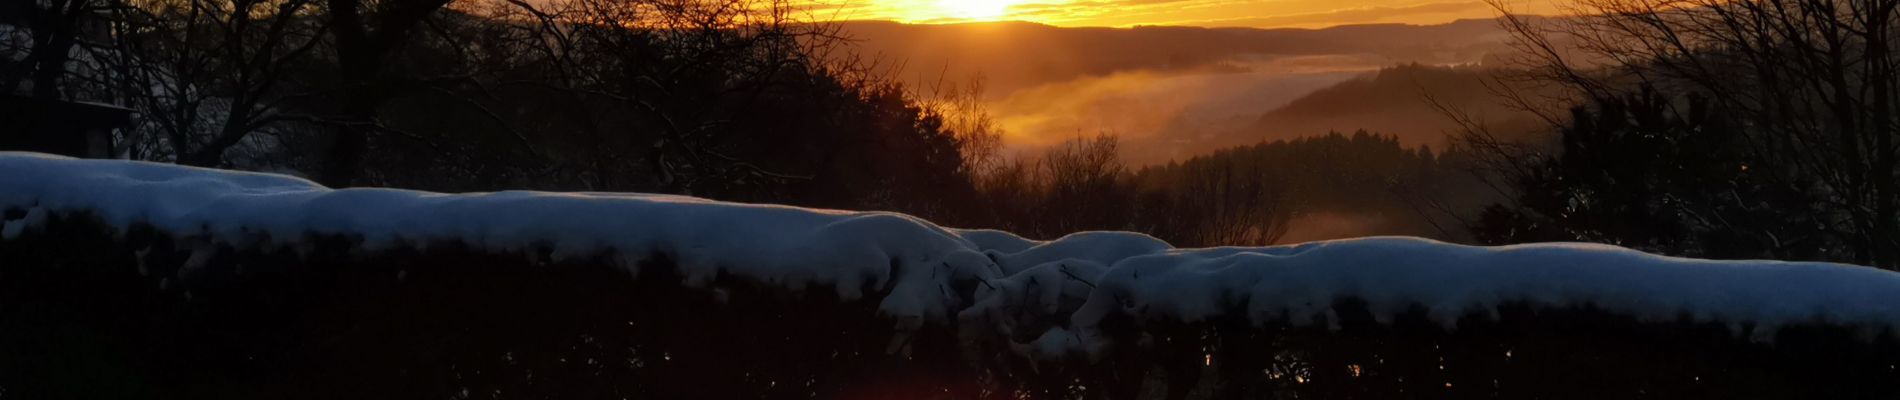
1039	298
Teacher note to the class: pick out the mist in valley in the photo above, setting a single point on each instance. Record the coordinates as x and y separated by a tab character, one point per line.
1172	95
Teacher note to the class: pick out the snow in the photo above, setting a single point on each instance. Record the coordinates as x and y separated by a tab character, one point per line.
1040	299
1297	284
13	229
1099	247
995	240
1033	304
903	258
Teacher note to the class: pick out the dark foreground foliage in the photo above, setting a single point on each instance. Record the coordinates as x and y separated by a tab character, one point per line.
90	313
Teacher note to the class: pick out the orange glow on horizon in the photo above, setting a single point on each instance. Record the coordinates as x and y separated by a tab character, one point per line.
977	10
1207	13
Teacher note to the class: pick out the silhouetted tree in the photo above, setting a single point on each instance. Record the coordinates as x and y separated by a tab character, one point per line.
209	73
364	34
1635	172
1232	198
1808	88
1086	186
54	28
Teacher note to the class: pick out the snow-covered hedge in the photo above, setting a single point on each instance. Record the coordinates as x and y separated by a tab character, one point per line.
184	282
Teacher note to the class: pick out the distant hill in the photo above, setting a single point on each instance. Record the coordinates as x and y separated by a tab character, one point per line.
1016	55
1398	101
1395	101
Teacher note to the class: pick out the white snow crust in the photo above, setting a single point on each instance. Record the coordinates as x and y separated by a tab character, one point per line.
1043	299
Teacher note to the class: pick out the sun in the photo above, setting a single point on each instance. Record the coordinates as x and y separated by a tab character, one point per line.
981	10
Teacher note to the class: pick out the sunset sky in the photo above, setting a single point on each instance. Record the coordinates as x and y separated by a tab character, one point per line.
1210	13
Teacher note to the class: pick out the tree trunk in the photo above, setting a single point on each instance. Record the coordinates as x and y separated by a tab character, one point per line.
361	51
54	34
